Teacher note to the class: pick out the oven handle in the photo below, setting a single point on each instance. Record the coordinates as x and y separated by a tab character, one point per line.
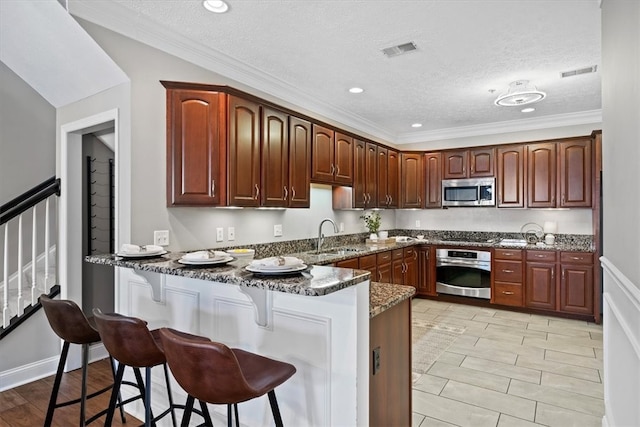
454	263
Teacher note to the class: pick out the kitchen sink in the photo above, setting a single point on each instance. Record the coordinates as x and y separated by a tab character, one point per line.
513	242
336	251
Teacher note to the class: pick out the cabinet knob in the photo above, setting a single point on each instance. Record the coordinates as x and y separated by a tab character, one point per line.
213	188
286	193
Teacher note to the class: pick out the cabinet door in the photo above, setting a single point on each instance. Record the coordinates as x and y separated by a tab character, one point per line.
411	184
343	160
299	163
481	162
455	164
576	289
393	176
511	177
195	161
410	267
348	263
426	281
384	273
541	171
433	180
575	179
244	152
274	188
322	154
397	272
371	174
540	286
359	174
383	177
368	263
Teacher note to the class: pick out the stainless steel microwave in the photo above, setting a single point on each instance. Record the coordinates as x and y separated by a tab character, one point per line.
469	192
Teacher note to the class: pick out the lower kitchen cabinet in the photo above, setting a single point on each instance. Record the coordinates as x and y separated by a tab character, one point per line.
540	283
384	267
390	367
348	263
369	263
426	271
507	269
576	282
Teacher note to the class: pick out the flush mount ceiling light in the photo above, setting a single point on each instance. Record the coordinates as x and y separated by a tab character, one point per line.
528	110
416	125
215	6
356	90
520	93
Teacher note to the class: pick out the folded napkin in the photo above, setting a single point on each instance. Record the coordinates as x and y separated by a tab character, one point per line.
277	261
203	255
135	249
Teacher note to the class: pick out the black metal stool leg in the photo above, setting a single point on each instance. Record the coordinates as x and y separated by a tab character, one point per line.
188	407
115	392
274	408
171	406
229	418
235	409
83	391
205	414
56	385
147	397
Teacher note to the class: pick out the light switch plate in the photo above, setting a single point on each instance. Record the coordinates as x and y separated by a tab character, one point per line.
417	223
161	237
277	230
231	233
219	234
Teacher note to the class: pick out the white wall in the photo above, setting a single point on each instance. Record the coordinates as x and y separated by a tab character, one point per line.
621	193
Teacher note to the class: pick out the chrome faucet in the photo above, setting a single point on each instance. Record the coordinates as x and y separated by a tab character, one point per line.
321	236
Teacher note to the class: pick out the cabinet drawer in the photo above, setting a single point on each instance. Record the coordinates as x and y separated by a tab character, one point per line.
576	258
367	262
397	254
542	256
410	253
507	254
384	257
507	271
348	263
507	294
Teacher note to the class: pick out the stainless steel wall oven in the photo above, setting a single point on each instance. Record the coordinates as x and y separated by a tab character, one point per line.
463	272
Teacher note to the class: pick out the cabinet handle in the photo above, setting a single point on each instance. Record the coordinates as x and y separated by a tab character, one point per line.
562	199
337	170
293	193
415	255
471	169
576	257
562	274
257	192
464	170
213	188
508	292
419	200
286	193
539	256
553	273
507	271
333	169
553	200
508	254
379	276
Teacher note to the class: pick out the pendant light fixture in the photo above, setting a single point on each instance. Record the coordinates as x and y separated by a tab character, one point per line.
520	93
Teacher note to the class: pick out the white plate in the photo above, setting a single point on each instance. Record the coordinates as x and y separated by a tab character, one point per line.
205	261
141	254
291	269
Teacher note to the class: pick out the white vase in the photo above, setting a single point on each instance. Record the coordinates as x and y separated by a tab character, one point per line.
383	234
373	236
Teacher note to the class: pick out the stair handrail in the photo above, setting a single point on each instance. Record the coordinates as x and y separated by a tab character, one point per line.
29	198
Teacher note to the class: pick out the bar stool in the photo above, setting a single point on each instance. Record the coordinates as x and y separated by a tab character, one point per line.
69	322
214	373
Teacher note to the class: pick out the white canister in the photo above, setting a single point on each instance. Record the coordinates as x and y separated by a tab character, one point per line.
549	239
383	234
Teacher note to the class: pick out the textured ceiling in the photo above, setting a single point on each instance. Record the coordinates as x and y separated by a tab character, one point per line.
316	50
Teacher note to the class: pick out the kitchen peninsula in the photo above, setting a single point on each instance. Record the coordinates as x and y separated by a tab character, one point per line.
318	320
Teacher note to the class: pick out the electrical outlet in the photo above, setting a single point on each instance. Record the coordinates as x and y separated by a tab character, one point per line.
341	227
376	360
219	234
277	230
161	237
231	233
417	223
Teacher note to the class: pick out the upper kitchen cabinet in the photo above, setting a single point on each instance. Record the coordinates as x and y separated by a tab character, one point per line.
244	152
472	163
365	174
196	173
575	173
388	178
299	194
433	180
332	157
510	181
541	175
274	182
411	180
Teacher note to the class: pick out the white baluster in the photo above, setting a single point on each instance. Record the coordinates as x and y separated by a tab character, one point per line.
34	255
19	309
46	246
5	291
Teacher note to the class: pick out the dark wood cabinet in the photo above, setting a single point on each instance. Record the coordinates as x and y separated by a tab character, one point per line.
541	175
426	271
299	194
369	263
388	177
343	159
331	156
410	277
511	176
196	160
348	263
575	173
507	273
472	163
365	174
383	260
244	152
411	180
433	180
274	187
390	383
576	282
540	283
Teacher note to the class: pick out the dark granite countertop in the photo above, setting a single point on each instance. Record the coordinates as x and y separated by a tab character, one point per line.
383	296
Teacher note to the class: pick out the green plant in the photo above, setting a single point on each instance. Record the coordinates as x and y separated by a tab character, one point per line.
372	221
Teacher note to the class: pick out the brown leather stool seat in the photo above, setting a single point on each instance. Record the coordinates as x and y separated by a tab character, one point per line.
131	343
214	373
69	322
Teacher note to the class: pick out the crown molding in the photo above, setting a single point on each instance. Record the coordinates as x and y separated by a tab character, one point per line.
537	123
117	18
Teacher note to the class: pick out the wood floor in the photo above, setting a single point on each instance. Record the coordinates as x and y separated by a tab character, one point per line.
26	406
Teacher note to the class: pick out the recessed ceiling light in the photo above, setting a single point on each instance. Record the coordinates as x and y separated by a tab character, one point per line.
416	125
356	90
215	6
528	110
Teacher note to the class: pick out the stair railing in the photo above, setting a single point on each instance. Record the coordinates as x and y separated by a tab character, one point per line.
15	304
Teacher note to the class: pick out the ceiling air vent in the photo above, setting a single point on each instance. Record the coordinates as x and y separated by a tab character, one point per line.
399	49
577	72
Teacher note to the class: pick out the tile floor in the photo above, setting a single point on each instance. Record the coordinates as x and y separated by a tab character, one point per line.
510	369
